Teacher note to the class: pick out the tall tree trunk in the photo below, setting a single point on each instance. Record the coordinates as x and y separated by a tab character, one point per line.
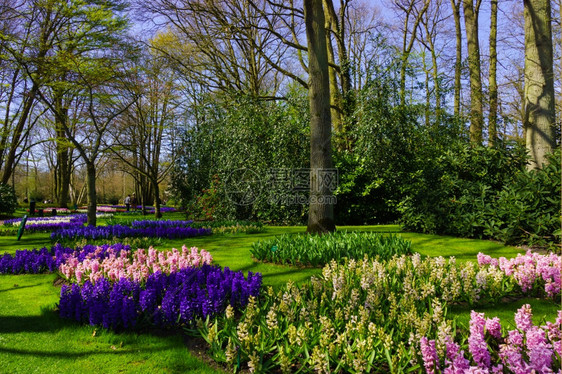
321	209
335	94
427	92
456	5
476	111
539	81
92	198
10	163
63	156
156	191
407	45
493	86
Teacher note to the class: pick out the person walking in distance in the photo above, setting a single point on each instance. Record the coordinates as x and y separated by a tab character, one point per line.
127	202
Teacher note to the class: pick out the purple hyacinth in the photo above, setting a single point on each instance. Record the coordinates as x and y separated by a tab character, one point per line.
163	300
120	231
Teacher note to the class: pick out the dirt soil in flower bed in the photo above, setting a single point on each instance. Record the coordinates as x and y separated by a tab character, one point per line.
198	348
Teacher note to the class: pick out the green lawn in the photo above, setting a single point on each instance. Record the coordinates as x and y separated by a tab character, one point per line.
34	339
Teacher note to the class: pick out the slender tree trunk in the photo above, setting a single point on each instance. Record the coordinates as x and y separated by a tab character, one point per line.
92	198
63	156
493	86
156	191
476	111
427	92
10	163
539	81
407	45
458	59
321	209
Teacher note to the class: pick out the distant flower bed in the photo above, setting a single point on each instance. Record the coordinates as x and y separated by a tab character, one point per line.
150	209
318	250
43	260
160	223
115	263
232	227
120	231
49	224
163	300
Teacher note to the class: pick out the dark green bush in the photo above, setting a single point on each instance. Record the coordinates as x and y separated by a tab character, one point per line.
485	192
318	250
8	200
527	210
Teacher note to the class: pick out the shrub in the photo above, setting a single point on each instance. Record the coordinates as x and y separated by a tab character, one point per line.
451	195
486	192
317	250
527	210
8	200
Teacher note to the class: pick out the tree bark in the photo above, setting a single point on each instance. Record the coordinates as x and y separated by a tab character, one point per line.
539	81
92	197
64	164
321	209
493	86
458	59
156	191
476	111
10	163
407	45
335	94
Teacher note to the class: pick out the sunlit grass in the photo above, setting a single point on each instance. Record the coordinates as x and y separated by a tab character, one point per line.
33	339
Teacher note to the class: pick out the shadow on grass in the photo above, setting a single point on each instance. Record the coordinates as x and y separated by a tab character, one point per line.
16	287
17	324
74	355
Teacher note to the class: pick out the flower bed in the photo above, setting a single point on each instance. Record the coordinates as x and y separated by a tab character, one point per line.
119	231
163	300
160	223
526	349
28	262
115	263
359	316
49	224
318	250
47	260
531	270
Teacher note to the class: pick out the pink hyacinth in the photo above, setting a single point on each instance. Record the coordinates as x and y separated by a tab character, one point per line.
486	260
540	351
530	269
493	327
476	342
527	349
429	355
136	265
455	360
523	318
